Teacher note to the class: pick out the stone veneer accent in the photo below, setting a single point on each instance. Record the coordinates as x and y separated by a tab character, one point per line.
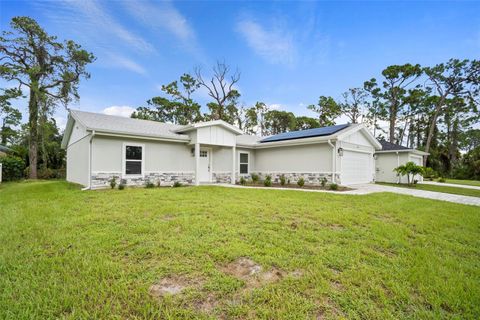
222	177
102	179
311	178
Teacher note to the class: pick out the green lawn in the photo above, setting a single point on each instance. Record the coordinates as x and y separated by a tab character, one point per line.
74	254
438	188
475	183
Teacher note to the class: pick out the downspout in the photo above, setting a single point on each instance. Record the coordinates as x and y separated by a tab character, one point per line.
334	162
398	165
90	162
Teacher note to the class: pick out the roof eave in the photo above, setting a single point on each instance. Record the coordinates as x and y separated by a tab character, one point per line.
103	132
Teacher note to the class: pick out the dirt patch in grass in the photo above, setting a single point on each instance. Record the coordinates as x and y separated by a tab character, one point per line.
253	274
171	285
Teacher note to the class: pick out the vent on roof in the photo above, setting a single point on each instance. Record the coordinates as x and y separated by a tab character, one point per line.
309	133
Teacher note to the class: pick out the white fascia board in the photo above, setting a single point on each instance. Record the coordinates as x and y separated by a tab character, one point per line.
99	132
415	151
294	142
209	124
67	132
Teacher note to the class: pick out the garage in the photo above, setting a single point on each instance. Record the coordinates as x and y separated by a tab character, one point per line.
356	167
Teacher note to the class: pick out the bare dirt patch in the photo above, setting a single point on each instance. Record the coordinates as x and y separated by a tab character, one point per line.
207	304
242	268
172	285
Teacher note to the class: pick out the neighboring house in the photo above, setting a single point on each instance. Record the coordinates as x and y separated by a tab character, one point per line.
3	151
392	156
100	147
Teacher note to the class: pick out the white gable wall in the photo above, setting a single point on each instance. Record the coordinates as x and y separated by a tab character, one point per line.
78	155
215	135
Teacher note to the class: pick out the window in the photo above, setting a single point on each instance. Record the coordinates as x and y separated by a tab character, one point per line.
133	159
243	163
203	154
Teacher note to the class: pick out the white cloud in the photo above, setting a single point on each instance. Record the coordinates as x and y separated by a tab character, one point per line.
275	106
93	24
122	111
125	63
274	45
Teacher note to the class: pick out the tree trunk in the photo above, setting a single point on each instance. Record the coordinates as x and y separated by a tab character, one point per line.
33	128
4	134
392	127
431	128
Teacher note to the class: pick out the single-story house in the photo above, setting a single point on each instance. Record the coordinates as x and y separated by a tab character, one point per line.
101	147
3	150
393	155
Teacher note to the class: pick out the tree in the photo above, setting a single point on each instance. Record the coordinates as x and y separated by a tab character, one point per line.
353	105
10	116
222	91
409	168
327	110
397	79
303	123
48	68
456	78
277	121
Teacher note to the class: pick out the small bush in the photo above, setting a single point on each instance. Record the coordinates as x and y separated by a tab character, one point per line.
301	182
177	184
442	180
288	181
113	183
243	181
333	186
324	182
282	180
415	182
149	185
12	168
255	178
121	186
268	181
429	173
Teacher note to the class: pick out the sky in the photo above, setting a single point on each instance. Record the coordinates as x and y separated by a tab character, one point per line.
288	53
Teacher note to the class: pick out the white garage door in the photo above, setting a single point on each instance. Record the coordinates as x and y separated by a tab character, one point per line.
356	167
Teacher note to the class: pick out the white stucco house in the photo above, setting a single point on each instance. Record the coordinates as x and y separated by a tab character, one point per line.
134	151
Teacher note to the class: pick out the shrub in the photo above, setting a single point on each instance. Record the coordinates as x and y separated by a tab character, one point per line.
121	186
429	173
288	181
149	185
45	173
324	182
301	182
243	181
282	180
442	180
409	168
12	168
113	182
333	186
268	181
177	184
255	178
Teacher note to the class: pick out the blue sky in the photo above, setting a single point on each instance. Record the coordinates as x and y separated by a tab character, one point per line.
289	53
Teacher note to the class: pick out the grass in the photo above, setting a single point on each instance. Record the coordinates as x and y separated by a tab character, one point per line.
474	183
437	188
70	254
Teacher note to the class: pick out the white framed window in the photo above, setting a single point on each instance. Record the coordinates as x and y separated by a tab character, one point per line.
244	163
133	159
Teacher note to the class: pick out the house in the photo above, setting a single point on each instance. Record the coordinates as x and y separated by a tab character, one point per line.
392	156
101	147
3	151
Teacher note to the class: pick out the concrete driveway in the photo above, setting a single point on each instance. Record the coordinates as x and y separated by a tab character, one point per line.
372	188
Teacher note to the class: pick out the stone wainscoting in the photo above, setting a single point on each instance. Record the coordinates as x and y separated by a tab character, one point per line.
102	179
222	177
311	178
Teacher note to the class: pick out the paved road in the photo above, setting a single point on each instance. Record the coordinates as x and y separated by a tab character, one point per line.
373	188
450	185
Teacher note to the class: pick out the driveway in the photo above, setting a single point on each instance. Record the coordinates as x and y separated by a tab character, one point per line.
450	185
372	188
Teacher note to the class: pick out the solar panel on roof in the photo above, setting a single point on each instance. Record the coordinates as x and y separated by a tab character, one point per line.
309	133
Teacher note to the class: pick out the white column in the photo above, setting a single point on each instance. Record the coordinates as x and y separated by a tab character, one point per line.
197	164
234	157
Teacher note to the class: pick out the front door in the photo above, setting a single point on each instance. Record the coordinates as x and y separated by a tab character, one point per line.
205	165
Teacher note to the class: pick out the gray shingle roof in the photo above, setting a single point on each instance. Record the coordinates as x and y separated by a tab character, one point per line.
121	125
309	133
388	146
4	149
